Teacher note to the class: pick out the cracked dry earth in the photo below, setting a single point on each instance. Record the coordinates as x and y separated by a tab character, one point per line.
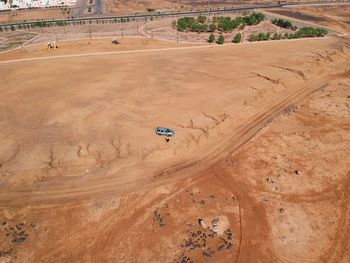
258	170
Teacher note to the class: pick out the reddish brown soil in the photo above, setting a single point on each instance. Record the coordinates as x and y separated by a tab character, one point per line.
260	154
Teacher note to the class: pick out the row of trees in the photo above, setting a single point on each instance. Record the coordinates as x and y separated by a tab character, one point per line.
302	32
310	32
284	23
221	23
221	39
42	24
259	37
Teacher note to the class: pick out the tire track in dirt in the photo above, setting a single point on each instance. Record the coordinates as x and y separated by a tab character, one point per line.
341	240
254	227
115	229
133	179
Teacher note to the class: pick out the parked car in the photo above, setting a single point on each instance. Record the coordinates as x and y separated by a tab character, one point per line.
164	131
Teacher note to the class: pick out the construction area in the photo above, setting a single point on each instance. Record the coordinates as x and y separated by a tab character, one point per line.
133	146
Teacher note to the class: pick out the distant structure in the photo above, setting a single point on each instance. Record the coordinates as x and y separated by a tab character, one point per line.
280	2
23	4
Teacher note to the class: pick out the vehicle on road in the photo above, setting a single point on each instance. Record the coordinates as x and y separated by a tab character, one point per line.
164	131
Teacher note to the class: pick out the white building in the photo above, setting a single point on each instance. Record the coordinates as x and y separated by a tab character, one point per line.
34	3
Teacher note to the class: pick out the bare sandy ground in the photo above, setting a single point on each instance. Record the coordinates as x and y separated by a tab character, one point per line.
125	6
87	46
10	40
32	14
336	17
260	156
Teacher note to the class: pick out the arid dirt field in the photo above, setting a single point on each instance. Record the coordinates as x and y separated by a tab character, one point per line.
88	46
126	6
336	17
258	170
33	14
10	40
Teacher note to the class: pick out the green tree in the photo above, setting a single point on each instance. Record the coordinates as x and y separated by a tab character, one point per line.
12	28
211	38
221	40
212	27
252	38
275	36
261	36
201	19
237	38
283	23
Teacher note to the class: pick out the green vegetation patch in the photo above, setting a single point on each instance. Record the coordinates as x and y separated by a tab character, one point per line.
220	23
211	38
284	23
302	32
191	24
221	40
237	38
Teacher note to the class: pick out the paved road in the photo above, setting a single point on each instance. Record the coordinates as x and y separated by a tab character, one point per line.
88	8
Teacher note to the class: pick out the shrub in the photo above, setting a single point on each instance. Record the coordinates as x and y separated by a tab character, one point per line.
221	40
225	24
185	23
276	36
212	27
311	32
237	38
201	19
260	37
254	19
211	38
283	23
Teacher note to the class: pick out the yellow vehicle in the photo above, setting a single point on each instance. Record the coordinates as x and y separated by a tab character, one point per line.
51	45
